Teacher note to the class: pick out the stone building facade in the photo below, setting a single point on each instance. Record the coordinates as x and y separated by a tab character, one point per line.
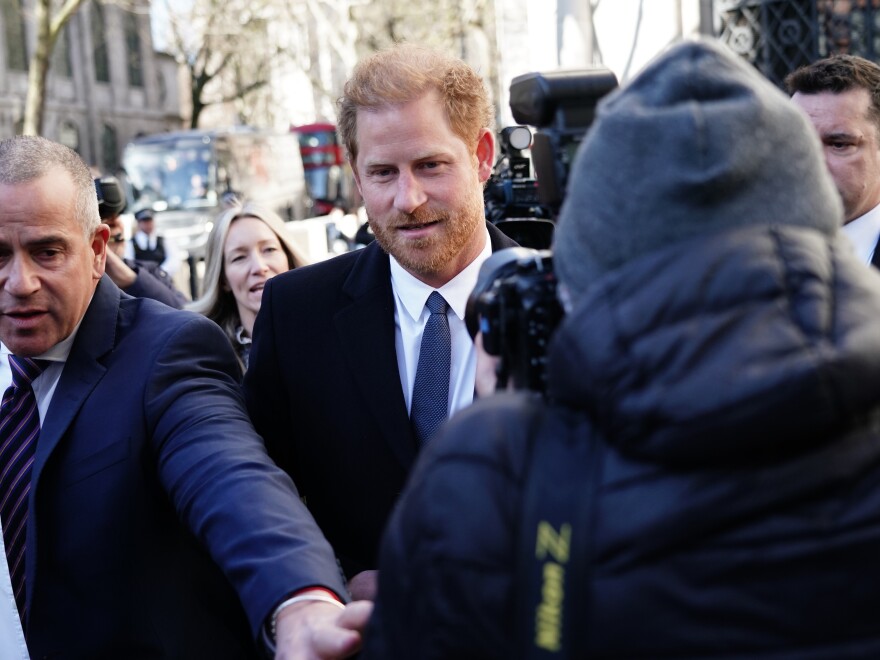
106	83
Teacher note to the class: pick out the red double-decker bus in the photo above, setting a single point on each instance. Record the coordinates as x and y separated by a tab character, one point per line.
319	145
325	169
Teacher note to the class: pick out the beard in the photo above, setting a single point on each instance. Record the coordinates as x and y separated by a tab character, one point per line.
429	255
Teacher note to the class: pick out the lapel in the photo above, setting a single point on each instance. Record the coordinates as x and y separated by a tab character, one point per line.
499	239
82	371
875	258
366	333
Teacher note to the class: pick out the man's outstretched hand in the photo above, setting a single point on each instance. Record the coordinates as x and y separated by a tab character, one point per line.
314	630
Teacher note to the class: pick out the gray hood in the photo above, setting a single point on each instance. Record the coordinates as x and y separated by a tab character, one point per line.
698	142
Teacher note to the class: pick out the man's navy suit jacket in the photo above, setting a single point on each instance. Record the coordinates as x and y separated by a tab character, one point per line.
324	391
158	527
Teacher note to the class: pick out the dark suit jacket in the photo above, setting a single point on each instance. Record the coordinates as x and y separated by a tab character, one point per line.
323	389
158	526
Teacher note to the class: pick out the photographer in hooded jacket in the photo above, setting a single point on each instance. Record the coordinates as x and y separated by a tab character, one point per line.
702	478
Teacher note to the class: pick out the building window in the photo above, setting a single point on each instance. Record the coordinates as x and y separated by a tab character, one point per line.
109	148
99	41
61	55
13	19
133	43
68	135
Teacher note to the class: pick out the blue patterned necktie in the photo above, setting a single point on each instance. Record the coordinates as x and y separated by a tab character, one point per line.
19	430
430	400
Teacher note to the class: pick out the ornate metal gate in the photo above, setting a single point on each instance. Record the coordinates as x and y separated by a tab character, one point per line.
778	36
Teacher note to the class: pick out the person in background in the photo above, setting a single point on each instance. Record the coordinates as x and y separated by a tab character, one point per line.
358	360
141	279
703	479
147	245
247	246
841	96
141	515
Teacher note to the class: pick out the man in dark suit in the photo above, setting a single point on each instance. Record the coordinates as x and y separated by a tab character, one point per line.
336	383
141	516
841	96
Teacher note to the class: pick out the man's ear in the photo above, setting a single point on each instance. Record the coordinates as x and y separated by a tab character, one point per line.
99	250
485	154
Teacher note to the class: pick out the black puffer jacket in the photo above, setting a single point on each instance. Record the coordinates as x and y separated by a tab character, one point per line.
720	399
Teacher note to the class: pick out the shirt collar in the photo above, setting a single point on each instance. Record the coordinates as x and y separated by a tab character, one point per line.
413	293
863	232
58	353
241	336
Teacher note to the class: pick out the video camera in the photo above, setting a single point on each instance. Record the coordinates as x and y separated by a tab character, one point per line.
561	105
514	304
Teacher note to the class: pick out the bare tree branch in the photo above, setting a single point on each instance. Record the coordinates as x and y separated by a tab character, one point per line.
48	27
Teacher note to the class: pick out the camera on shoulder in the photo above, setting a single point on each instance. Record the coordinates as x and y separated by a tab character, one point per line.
561	106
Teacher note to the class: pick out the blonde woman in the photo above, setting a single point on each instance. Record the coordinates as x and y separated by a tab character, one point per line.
247	246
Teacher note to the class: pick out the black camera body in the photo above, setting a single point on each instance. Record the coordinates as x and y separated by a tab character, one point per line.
111	199
511	191
562	106
514	306
510	196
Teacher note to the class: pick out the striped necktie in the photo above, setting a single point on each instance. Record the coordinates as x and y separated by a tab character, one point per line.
19	430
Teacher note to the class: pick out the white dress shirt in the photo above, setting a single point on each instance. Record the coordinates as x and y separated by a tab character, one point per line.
12	642
411	316
863	232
